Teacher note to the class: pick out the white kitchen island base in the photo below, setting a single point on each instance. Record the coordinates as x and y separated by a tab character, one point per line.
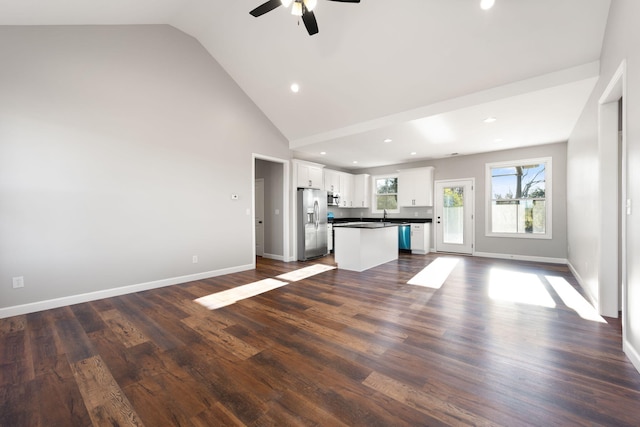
359	248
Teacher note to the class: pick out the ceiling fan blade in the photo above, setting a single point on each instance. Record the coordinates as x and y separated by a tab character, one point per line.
310	22
265	7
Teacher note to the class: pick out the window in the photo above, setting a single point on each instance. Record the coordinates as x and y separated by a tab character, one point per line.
385	195
519	198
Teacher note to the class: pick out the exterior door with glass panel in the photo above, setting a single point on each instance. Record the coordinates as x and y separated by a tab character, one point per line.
453	216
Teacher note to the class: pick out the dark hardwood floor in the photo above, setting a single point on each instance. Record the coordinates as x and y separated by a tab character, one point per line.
337	349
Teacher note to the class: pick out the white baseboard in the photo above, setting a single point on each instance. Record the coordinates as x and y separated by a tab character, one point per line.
632	354
108	293
521	257
274	256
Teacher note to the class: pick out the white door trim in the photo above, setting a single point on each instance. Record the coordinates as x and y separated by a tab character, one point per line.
259	215
285	203
607	288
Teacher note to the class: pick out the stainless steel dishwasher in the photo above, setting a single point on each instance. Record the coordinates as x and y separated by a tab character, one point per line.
404	237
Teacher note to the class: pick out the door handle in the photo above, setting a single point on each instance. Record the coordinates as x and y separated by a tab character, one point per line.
316	214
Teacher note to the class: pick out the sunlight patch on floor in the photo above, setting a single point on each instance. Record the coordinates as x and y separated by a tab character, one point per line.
434	274
233	295
517	287
303	273
572	299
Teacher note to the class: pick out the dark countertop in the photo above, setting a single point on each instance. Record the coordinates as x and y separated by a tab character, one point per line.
394	221
369	225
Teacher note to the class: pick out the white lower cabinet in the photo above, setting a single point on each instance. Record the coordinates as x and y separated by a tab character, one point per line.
420	238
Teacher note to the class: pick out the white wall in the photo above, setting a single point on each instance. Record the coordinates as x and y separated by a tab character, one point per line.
473	166
119	149
584	237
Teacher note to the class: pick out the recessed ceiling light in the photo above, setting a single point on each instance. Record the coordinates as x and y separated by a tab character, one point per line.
388	140
413	153
295	87
498	140
490	120
486	4
323	153
355	162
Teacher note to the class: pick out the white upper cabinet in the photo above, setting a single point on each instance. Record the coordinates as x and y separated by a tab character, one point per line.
352	189
332	181
346	190
361	185
415	187
309	175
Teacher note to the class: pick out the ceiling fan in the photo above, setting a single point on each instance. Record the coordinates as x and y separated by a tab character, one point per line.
303	8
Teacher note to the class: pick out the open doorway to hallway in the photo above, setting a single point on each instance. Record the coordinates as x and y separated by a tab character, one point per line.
271	202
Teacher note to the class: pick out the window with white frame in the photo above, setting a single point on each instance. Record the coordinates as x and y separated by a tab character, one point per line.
385	193
519	198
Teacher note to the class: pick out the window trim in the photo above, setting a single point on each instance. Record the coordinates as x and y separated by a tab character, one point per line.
374	193
548	198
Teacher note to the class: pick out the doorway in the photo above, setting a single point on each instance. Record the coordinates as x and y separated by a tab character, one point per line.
454	216
270	207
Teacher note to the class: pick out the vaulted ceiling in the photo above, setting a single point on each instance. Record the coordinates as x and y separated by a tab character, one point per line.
422	73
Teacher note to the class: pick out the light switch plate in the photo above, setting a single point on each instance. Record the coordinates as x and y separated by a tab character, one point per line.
18	282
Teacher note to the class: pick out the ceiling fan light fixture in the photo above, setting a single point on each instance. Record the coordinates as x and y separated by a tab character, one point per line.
310	4
296	8
286	3
486	4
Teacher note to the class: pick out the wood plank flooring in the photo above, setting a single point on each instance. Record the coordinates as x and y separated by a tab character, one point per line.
337	349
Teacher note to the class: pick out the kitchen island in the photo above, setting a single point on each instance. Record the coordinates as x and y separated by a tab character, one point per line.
363	245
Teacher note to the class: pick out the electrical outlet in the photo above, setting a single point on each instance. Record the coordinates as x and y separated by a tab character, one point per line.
194	259
18	282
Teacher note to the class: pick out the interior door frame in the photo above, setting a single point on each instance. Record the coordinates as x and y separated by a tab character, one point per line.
285	203
470	200
612	269
259	183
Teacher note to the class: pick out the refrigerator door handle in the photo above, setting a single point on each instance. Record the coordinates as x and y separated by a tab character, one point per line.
316	213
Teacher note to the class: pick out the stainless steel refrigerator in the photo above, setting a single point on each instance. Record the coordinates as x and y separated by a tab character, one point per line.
312	223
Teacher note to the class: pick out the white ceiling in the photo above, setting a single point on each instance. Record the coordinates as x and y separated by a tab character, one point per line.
424	73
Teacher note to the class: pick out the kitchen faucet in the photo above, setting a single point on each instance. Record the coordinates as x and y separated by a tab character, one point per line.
384	215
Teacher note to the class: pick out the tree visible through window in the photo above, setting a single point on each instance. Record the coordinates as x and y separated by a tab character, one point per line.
386	195
519	203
